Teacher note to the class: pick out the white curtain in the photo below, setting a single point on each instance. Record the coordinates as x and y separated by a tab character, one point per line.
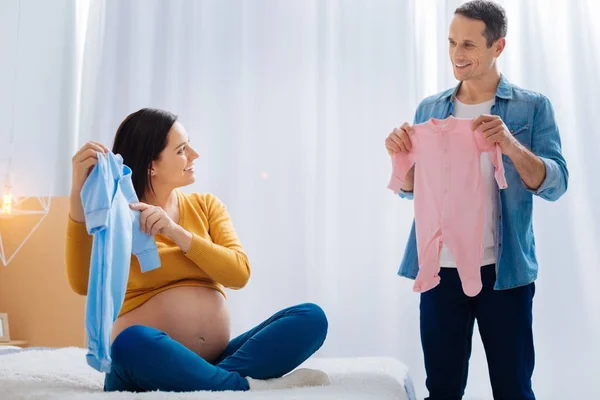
37	98
37	95
289	103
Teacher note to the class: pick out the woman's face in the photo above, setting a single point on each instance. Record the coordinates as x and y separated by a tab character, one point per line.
175	165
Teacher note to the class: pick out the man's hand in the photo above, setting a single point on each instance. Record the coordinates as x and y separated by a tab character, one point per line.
398	140
495	131
530	167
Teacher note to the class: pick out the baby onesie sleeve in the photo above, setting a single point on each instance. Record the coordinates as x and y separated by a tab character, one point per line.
402	162
96	197
495	155
143	245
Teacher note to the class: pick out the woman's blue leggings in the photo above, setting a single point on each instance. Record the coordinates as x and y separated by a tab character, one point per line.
146	359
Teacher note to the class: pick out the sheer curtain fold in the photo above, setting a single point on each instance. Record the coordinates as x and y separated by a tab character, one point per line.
37	95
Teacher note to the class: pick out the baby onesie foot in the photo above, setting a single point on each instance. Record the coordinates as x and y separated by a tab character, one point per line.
471	286
424	284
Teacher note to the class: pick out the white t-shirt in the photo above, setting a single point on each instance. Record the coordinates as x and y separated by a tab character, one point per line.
462	110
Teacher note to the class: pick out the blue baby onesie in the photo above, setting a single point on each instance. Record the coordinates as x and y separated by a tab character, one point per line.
106	196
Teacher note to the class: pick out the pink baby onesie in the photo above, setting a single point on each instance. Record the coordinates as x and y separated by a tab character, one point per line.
449	197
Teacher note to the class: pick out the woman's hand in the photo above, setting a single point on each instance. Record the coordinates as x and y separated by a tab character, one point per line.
154	219
83	162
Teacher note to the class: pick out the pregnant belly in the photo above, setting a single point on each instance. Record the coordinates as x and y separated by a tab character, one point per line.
196	317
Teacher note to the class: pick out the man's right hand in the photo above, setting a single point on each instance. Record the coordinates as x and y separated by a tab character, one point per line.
398	140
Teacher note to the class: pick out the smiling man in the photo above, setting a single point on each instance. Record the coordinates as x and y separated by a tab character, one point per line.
522	123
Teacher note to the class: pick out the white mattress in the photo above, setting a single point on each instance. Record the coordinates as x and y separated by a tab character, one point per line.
63	374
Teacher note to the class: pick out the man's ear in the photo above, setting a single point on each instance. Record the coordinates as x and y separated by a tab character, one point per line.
499	47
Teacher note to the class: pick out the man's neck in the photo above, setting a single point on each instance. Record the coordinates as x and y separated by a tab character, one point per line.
478	90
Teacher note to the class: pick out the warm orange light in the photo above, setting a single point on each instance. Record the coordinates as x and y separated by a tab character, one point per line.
7	202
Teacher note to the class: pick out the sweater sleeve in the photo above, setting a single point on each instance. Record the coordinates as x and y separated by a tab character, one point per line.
78	250
222	258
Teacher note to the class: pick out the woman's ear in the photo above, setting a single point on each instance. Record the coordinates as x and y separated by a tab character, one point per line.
151	170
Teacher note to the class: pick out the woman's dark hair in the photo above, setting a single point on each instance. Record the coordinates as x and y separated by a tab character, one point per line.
140	139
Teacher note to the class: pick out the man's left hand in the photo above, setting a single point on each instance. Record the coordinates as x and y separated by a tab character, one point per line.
495	131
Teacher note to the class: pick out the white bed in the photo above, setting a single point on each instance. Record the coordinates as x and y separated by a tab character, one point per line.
63	374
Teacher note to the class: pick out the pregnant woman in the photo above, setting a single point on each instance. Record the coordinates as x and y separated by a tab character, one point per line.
173	330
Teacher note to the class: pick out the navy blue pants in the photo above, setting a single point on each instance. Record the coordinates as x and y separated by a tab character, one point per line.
146	359
504	318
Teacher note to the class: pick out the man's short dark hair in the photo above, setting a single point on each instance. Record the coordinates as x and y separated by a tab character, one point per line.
491	13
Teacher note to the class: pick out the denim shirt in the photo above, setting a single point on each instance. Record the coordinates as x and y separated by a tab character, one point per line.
530	118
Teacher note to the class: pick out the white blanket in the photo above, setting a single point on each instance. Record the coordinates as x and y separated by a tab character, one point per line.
64	374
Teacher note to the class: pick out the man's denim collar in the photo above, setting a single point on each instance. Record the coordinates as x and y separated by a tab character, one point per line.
504	90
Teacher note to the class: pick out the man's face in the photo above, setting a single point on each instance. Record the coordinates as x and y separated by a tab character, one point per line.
470	56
